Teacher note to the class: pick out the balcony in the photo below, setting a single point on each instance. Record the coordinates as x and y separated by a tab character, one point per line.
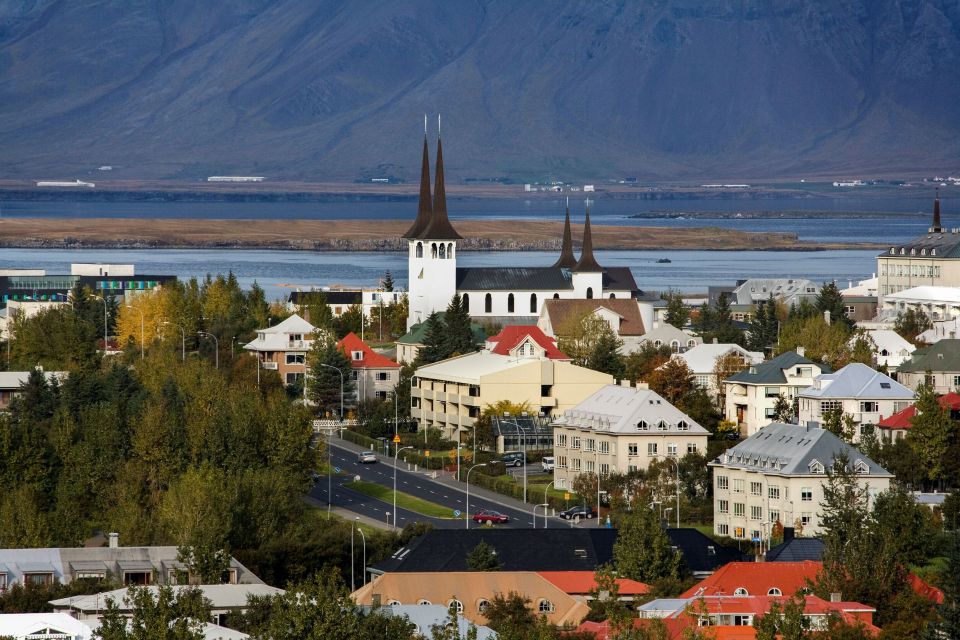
548	402
298	344
453	397
470	401
269	366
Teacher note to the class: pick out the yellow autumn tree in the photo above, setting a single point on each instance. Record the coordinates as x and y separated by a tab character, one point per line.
141	319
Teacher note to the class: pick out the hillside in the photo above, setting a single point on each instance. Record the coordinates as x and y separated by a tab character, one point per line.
673	89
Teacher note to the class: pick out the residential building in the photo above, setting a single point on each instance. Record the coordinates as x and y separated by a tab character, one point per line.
450	395
620	429
11	383
789	291
939	364
865	395
662	334
752	393
558	318
936	302
941	329
897	426
506	295
580	584
777	475
525	340
23	310
409	345
860	300
283	348
340	300
374	375
889	347
424	617
702	360
756	579
36	626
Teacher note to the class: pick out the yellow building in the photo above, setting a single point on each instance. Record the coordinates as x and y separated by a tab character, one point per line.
450	395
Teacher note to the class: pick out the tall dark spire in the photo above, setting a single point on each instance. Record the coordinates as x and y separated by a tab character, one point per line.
439	227
936	213
425	207
567	259
587	262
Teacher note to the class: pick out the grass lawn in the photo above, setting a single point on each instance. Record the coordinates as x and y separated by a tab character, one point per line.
404	500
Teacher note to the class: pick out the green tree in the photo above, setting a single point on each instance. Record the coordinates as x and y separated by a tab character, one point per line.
352	320
911	323
640	364
828	343
931	432
324	383
783	410
678	314
725	366
578	336
784	621
673	380
510	614
605	354
948	623
483	557
863	349
314	309
764	327
450	630
831	300
388	281
166	616
434	341
643	550
55	339
839	424
458	336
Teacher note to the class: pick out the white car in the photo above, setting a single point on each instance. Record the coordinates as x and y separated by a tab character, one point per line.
366	456
547	464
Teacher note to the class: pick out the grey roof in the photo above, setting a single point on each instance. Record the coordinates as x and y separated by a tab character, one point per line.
426	616
857	380
536	279
791	450
940	356
797	550
221	596
939	245
616	409
759	289
771	371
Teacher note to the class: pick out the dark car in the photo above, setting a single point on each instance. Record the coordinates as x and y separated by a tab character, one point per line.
580	511
513	459
486	516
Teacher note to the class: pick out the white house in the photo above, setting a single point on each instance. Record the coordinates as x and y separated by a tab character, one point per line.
678	340
865	395
790	291
777	475
939	303
702	359
283	348
890	348
34	626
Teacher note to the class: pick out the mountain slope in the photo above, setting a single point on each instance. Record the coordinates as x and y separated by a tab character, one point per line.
332	90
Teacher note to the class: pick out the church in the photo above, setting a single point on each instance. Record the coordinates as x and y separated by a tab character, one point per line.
503	295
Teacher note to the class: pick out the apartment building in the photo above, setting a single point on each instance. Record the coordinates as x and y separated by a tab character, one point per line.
283	348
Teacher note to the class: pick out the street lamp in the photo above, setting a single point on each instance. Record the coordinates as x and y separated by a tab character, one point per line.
183	340
523	434
363	567
216	355
547	489
544	505
103	299
467	514
329	470
677	466
141	326
396	459
328	366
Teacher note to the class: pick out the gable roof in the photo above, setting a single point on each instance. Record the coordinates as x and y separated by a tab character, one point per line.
536	279
418	332
904	419
370	360
564	312
943	355
757	578
513	335
771	371
334	296
702	358
667	333
616	409
789	449
857	380
293	324
796	550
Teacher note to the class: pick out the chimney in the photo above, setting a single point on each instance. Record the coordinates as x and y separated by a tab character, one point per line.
113	540
826	317
835	596
801	351
788	534
715	341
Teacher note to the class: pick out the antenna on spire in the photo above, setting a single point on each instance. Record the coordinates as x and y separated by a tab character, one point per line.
568	202
438	124
424	124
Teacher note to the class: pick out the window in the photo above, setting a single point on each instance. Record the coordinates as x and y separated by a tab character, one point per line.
575	464
293	377
738	485
588	444
773	492
643	426
3	581
774	592
691	447
575	442
604	469
806	494
482	606
869	407
723	529
295	358
830	405
37	579
382	395
805	519
545	606
632	449
956	381
455	603
450	250
816	467
774	515
756	488
603	447
356	355
740	591
589	293
739	509
861	467
589	466
510	303
488	303
419	249
137	577
723	482
805	372
561	439
465	301
533	303
672	449
662	426
771	392
723	506
756	513
433	250
651	448
423	602
682	426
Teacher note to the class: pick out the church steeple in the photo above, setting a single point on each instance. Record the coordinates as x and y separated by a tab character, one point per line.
567	259
425	206
937	228
587	262
439	227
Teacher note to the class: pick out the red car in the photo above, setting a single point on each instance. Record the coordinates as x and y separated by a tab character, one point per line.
490	517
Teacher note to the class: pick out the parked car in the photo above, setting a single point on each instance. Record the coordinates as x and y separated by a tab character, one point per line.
581	511
485	516
366	456
547	464
513	459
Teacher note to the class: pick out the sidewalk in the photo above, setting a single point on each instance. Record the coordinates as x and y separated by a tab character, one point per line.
346	514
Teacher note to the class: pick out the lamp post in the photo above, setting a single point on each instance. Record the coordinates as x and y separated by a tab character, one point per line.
677	466
363	567
396	459
353	582
535	507
329	473
183	340
103	299
523	434
328	366
141	326
467	514
216	353
545	522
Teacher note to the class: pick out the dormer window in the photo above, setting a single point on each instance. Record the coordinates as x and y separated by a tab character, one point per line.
356	355
933	252
662	425
816	467
682	425
861	467
643	426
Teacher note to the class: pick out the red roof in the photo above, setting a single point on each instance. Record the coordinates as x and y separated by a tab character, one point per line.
512	335
925	589
369	359
582	582
903	419
757	578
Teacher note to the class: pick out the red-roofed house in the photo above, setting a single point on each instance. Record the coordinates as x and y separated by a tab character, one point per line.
525	341
580	583
374	375
925	589
756	579
897	425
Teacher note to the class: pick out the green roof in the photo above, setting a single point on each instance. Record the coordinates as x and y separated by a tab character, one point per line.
771	371
941	356
419	331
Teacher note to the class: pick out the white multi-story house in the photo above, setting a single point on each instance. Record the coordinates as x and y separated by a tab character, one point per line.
283	348
867	396
890	349
752	394
777	475
702	359
621	429
789	291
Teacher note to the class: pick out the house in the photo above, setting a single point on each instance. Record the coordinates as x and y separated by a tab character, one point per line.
409	345
941	329
374	375
662	334
126	565
559	317
756	579
794	549
11	383
890	348
33	626
752	393
451	394
936	302
580	584
470	593
424	617
284	348
25	309
525	340
789	291
861	393
932	260
777	475
703	358
896	426
339	301
940	363
860	300
620	429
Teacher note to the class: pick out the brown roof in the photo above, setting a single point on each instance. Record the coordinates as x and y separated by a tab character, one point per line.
567	259
425	206
563	312
587	262
439	227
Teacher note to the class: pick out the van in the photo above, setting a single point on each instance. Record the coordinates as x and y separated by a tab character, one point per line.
547	464
513	459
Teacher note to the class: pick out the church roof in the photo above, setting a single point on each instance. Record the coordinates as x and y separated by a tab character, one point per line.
567	260
536	279
439	227
425	206
938	242
587	262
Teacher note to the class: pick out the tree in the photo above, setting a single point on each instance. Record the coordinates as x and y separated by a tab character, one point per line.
931	431
727	365
911	323
166	616
948	624
863	349
764	326
483	557
324	383
700	407
450	630
838	423
640	364
509	614
458	337
673	380
434	341
388	281
828	343
55	339
783	410
831	300
678	314
315	309
605	355
578	336
605	603
643	550
719	324
352	320
784	621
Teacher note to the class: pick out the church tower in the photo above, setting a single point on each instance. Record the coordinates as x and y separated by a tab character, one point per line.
587	273
432	241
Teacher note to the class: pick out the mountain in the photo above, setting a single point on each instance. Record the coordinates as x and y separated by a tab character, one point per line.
326	90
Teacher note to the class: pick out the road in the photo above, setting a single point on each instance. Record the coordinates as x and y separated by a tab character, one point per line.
419	484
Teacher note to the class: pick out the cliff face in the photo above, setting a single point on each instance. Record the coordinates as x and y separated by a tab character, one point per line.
580	89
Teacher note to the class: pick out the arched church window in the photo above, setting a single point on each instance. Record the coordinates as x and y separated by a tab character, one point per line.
510	303
533	303
450	250
589	293
443	251
556	296
419	249
488	303
433	250
465	300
